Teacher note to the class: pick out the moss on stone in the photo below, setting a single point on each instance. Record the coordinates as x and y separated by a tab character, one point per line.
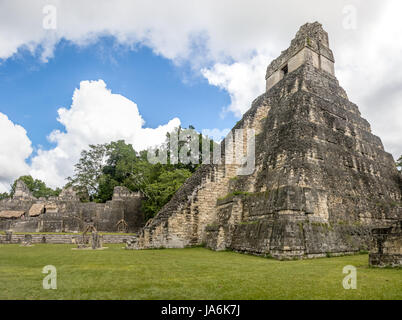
233	194
246	223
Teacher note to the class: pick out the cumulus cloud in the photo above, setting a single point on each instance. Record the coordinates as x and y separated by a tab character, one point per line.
15	148
176	29
367	62
96	116
229	42
242	80
216	134
371	74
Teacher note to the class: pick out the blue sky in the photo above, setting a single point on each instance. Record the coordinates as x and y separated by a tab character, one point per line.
32	91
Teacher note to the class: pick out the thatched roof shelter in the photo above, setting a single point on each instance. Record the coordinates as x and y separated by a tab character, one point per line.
11	214
36	209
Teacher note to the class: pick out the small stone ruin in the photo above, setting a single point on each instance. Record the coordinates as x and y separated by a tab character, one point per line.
27	242
66	213
90	238
386	246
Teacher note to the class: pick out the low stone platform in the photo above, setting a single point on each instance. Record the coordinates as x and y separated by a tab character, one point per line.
61	238
88	248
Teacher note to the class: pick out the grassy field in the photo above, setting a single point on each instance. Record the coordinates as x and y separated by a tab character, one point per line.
195	273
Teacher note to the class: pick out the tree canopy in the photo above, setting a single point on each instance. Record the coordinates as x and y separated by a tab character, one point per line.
399	163
4	195
105	166
88	170
36	186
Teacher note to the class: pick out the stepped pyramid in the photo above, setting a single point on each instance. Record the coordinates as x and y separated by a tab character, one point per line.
321	182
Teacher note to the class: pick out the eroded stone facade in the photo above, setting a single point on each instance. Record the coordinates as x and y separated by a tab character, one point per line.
67	213
321	182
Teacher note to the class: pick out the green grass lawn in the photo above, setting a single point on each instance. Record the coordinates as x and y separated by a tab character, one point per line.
195	273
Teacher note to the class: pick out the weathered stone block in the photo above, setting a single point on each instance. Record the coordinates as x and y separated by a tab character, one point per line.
386	246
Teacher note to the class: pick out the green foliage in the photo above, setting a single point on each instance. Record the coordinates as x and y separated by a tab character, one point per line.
186	138
123	167
4	195
399	163
161	189
126	168
235	193
37	187
88	171
105	166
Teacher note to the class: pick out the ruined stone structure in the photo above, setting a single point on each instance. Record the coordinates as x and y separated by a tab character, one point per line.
321	182
386	246
66	213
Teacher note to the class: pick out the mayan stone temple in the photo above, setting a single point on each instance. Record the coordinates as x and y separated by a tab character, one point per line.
322	180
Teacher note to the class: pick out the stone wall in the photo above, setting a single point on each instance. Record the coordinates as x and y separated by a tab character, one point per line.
62	238
282	236
67	214
183	220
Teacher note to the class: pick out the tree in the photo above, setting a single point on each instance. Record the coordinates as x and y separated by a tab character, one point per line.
36	186
399	163
121	169
121	160
188	135
88	171
103	167
4	195
162	189
123	166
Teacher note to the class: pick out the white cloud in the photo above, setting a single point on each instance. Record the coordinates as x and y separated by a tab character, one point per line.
228	29
368	68
367	63
96	116
242	80
15	148
229	41
216	135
